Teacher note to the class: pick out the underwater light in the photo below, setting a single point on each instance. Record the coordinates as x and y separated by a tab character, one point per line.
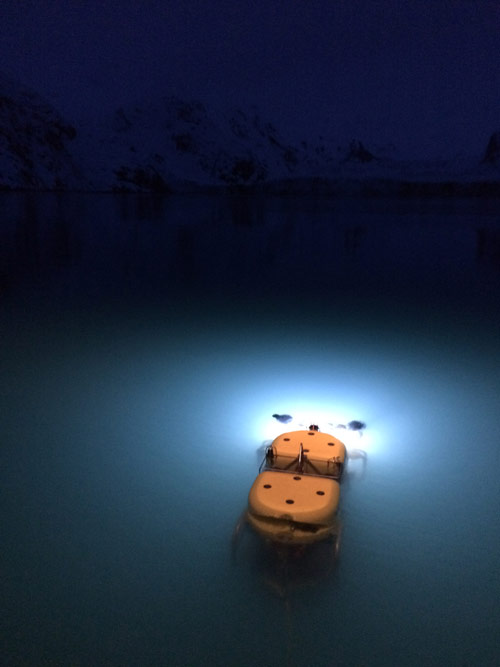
294	418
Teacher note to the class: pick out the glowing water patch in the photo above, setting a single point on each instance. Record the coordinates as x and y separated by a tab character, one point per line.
267	428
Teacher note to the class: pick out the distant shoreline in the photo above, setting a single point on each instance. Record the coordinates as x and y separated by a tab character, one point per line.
318	187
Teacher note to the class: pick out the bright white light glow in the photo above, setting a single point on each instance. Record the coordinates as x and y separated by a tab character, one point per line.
269	428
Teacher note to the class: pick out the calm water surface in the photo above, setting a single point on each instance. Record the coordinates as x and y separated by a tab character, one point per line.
145	344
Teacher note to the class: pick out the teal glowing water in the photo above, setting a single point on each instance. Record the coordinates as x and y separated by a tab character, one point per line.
146	344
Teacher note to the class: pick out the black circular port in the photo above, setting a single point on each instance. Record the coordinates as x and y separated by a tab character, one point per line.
267	486
297	477
320	493
289	501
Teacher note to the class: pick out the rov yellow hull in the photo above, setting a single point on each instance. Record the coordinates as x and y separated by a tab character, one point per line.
295	499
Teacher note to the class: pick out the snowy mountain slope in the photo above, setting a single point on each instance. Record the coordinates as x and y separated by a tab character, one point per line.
35	143
492	152
176	145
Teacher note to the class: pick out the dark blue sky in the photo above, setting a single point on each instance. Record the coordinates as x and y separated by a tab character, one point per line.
423	74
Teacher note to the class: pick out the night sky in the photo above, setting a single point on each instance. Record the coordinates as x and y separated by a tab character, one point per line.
421	74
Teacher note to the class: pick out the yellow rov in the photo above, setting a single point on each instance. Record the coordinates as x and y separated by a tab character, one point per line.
294	499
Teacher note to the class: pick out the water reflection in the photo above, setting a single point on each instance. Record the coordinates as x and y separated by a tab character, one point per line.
223	243
142	207
27	245
185	257
353	239
245	211
36	241
65	249
488	246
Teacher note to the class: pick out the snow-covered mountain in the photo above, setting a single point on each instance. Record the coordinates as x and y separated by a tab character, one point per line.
176	143
35	143
173	144
492	152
